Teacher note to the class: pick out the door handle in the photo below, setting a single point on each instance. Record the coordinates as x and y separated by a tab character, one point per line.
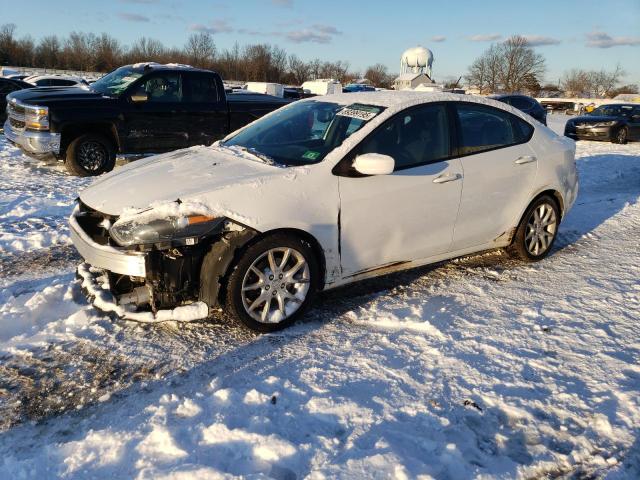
525	159
450	177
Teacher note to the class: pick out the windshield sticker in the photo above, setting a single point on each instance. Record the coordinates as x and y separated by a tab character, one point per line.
361	112
311	155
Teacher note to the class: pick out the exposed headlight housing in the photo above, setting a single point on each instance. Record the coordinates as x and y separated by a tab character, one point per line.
36	118
188	229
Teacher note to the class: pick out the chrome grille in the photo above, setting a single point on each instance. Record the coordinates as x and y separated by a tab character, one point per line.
16	113
16	124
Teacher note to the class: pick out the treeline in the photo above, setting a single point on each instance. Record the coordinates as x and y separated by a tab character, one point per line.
513	66
102	53
594	83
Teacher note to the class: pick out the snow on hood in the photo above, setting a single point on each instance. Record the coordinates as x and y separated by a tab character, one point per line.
186	175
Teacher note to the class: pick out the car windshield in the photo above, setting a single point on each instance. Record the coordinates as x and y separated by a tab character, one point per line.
303	132
116	82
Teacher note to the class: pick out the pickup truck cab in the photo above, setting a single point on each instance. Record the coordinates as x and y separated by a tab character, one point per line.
135	110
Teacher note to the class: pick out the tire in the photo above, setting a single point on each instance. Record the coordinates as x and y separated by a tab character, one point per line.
268	303
533	239
621	136
90	155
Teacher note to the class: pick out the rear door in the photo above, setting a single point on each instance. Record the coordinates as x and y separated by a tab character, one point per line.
499	172
206	106
161	123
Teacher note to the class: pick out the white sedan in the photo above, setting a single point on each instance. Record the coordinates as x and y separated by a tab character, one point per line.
321	193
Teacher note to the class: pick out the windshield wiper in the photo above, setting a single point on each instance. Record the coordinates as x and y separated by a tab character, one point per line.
253	152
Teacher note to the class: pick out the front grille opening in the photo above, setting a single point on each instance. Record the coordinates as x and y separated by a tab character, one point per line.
92	222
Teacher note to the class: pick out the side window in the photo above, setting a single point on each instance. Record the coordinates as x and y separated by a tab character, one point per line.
62	83
485	128
43	83
415	137
522	130
7	87
201	88
162	88
521	103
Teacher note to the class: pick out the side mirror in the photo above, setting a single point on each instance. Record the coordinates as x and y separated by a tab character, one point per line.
374	164
139	97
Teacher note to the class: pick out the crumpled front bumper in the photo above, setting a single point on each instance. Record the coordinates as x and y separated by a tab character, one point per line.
104	256
36	143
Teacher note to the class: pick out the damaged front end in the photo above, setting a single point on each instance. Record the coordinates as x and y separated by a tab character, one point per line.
158	260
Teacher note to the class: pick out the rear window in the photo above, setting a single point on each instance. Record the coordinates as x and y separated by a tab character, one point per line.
521	103
201	88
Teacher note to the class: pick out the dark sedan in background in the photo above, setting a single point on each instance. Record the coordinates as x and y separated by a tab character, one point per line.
616	123
525	104
8	85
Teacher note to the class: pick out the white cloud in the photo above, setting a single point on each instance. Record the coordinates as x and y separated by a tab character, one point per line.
132	17
538	40
492	37
214	26
438	38
604	40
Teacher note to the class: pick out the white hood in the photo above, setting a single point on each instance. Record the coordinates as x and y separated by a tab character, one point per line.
216	173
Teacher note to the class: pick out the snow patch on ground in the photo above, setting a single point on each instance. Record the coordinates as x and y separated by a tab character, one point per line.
480	367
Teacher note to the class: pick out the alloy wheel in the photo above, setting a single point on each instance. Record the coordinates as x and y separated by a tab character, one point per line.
541	229
275	285
622	135
92	156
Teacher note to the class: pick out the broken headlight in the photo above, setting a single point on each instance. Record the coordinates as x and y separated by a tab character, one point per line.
189	228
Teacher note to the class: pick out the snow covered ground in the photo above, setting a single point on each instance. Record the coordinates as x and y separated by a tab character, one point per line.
481	367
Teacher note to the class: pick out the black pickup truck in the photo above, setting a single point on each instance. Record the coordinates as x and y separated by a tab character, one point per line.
135	110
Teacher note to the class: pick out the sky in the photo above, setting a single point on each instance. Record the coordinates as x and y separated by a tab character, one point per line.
570	34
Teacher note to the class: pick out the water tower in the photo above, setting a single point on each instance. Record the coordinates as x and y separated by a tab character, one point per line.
416	60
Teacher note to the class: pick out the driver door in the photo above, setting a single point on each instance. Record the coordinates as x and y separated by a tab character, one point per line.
161	122
409	214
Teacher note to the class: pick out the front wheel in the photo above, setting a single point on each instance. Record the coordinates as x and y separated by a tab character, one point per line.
90	155
272	283
537	230
621	136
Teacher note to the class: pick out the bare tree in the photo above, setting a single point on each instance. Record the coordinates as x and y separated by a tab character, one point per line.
510	66
299	69
379	76
583	83
107	53
602	82
7	43
146	50
576	82
200	49
48	52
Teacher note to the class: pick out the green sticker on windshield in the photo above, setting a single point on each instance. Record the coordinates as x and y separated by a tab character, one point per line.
311	155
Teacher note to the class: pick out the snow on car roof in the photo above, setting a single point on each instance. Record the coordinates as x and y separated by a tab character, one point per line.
396	101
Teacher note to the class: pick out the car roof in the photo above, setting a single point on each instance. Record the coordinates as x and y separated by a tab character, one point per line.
395	101
150	66
53	77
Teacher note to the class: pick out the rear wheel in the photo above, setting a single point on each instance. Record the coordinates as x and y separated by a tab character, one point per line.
621	136
537	230
272	283
90	155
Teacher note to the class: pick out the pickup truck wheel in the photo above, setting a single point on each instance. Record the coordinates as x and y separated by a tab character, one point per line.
272	283
90	155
